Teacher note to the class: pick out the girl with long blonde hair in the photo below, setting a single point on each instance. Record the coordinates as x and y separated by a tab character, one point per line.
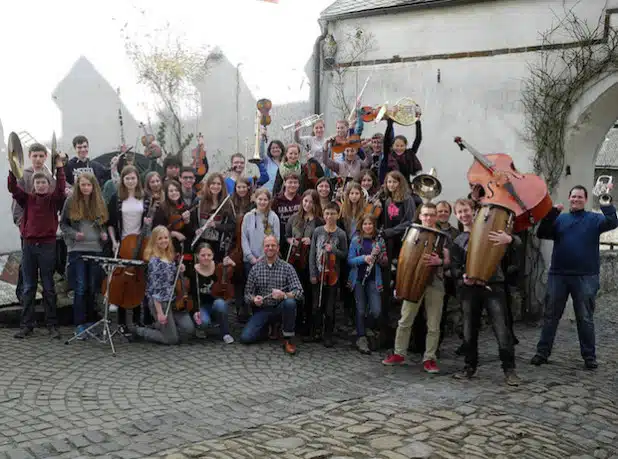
257	224
172	326
82	223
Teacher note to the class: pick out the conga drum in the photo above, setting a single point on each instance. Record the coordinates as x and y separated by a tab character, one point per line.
413	274
483	255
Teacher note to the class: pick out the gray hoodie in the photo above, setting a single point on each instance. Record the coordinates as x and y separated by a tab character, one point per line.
253	233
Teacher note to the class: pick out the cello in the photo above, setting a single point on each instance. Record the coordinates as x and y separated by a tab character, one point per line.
128	285
525	195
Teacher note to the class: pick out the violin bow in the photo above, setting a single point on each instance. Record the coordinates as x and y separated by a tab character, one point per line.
212	217
169	302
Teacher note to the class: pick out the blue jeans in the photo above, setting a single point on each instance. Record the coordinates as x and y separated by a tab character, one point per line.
583	291
263	316
364	294
85	280
38	258
217	308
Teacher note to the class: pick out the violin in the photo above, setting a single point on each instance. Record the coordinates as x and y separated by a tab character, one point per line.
374	205
369	113
223	286
176	222
151	149
184	300
299	254
264	106
199	155
353	141
329	274
313	173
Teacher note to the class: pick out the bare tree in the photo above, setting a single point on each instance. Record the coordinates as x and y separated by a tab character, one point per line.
169	67
352	48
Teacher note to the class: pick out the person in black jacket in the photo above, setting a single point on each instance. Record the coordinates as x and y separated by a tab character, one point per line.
476	295
81	163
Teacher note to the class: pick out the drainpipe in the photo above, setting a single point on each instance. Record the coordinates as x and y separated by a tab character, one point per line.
238	107
317	64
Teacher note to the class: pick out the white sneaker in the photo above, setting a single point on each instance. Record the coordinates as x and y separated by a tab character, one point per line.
228	339
113	308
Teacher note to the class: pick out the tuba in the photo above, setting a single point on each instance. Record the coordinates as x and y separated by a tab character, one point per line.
404	112
427	186
15	155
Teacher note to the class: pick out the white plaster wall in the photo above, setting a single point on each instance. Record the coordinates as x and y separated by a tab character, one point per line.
477	98
222	124
89	106
478	26
9	234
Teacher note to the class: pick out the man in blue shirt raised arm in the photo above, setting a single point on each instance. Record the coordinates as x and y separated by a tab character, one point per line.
574	270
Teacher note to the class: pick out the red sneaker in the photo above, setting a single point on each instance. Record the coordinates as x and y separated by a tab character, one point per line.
430	366
394	359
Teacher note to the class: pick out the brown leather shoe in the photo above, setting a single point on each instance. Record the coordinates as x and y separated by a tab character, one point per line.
289	347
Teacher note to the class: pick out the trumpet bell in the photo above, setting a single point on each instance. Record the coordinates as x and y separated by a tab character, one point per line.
427	186
15	155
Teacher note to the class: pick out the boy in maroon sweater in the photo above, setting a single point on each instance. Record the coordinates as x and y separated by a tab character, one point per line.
287	204
38	228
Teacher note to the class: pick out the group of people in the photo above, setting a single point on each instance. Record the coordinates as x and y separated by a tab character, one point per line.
322	223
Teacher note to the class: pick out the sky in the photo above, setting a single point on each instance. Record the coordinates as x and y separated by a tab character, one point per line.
40	40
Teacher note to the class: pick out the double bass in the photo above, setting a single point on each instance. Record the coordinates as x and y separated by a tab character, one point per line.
525	195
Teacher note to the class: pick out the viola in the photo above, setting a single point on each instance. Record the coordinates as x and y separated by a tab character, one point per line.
526	195
223	286
264	106
199	156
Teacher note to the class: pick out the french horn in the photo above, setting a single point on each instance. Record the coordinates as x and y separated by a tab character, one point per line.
15	155
404	112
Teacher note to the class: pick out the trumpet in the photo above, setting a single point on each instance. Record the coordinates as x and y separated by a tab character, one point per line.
305	122
602	189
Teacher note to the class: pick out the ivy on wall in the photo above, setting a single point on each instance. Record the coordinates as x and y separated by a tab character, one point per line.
559	76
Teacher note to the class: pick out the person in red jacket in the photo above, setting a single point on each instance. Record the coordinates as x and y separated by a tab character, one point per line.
38	228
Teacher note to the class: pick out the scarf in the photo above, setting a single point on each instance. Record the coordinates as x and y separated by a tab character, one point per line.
285	169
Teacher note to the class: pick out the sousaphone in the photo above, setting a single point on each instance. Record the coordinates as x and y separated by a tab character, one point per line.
15	155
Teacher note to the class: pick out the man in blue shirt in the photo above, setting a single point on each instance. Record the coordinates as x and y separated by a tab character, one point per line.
574	270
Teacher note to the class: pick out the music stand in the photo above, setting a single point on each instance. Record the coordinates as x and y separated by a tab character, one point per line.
108	265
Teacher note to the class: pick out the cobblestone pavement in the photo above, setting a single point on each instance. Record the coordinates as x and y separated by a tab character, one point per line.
212	400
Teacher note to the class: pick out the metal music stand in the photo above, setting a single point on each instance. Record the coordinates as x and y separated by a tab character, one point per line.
108	265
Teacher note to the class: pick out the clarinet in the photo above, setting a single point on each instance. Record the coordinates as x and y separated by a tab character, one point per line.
379	245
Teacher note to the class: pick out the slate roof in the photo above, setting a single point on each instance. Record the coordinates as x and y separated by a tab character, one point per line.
608	154
347	7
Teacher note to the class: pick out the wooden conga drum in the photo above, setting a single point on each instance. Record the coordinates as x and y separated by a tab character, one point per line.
412	272
483	255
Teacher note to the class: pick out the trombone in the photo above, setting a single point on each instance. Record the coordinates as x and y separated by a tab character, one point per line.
305	122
